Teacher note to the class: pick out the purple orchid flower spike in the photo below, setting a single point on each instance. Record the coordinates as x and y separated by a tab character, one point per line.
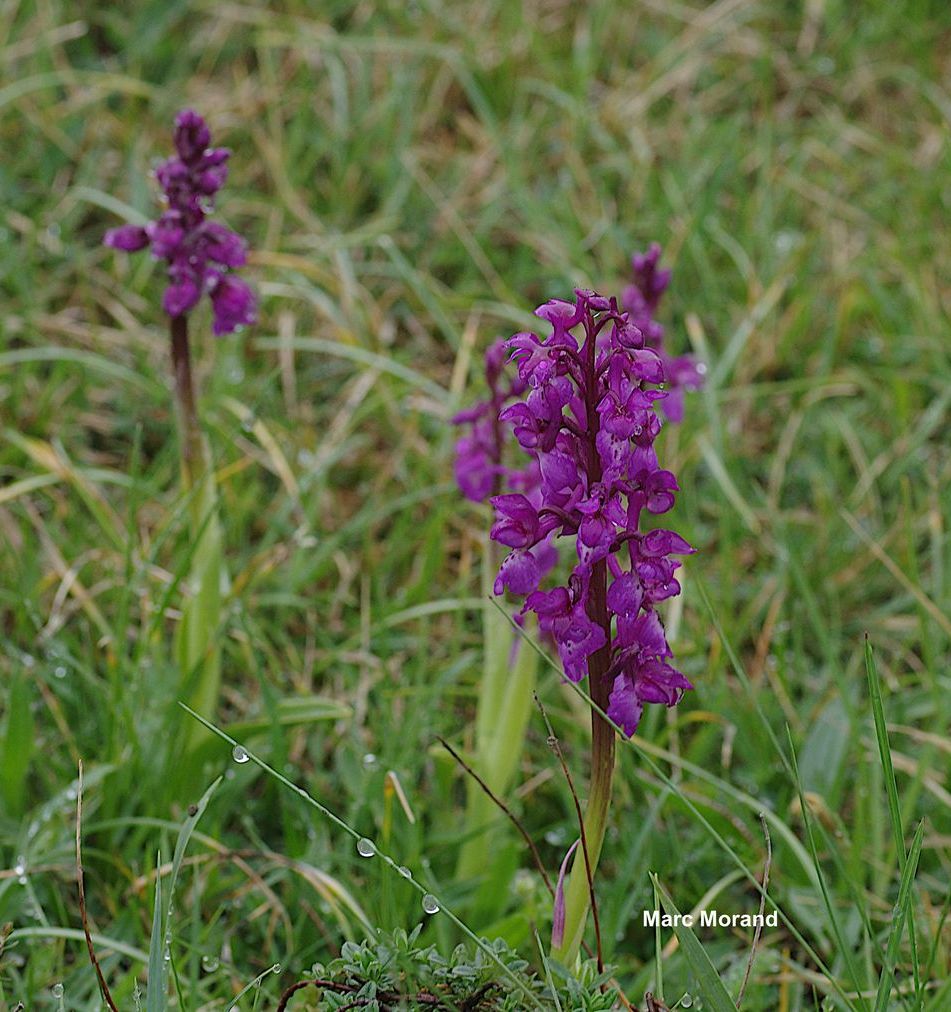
590	419
641	299
201	254
587	417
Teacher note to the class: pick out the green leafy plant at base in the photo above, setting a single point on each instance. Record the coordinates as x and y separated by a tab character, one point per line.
393	971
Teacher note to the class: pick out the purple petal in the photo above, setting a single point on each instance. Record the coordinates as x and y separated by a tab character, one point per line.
223	246
625	595
166	235
192	135
128	238
624	708
519	572
181	296
549	603
662	542
233	306
558	311
647	365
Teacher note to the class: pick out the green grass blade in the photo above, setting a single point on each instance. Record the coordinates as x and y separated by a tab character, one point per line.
844	948
156	999
712	989
891	786
884	751
899	915
16	749
184	835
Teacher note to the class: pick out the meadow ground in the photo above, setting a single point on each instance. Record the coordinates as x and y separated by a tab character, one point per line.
413	178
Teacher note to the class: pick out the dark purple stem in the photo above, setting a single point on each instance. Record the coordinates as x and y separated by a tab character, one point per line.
185	399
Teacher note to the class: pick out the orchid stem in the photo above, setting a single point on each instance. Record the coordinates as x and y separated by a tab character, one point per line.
192	452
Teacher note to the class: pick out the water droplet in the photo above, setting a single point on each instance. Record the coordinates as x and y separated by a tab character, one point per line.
20	867
369	761
234	1008
57	990
59	671
365	847
555	836
248	423
430	904
209	963
21	880
240	754
686	1001
404	871
702	368
29	660
276	968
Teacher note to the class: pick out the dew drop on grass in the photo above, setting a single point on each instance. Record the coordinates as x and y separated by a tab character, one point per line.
404	871
57	990
430	904
19	869
209	963
276	968
686	1001
59	671
369	761
240	754
365	847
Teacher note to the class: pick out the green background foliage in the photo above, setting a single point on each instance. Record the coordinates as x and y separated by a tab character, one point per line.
413	179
